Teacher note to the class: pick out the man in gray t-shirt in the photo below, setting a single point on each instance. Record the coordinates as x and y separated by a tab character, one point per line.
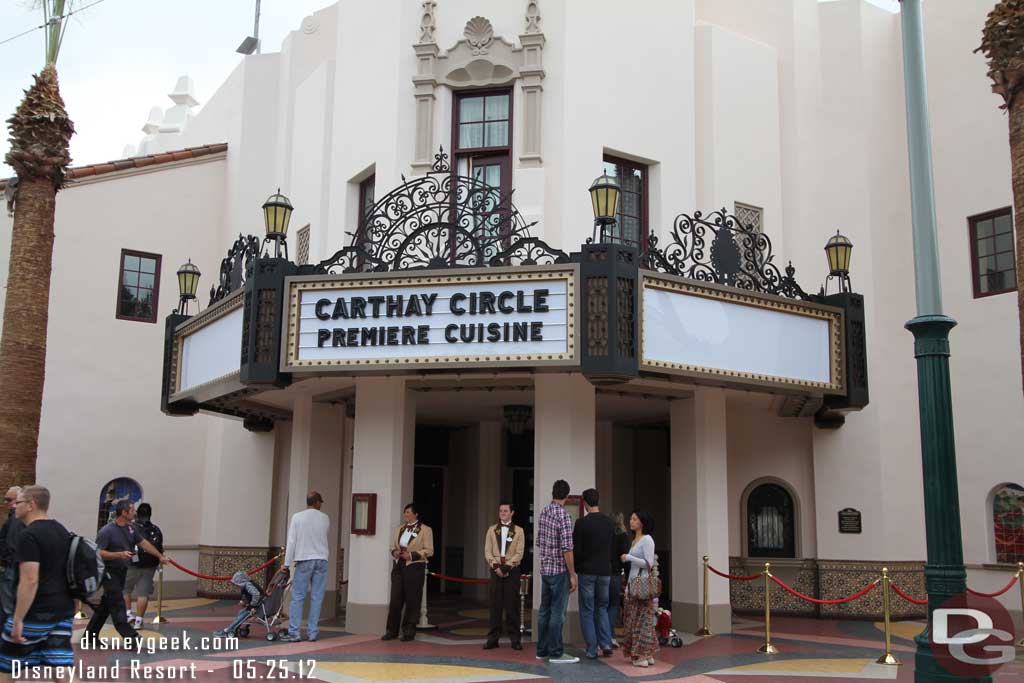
117	544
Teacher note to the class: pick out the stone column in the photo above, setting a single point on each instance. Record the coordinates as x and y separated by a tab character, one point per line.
482	510
564	448
382	463
425	82
531	76
316	456
700	505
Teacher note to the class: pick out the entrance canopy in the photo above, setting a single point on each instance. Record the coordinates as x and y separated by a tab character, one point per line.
446	277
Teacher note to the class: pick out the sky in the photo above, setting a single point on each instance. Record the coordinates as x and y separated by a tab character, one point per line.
121	57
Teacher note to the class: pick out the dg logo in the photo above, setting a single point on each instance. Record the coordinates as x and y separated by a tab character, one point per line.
972	636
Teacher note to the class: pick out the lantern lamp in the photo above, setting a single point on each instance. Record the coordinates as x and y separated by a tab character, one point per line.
277	212
604	196
188	283
516	417
838	249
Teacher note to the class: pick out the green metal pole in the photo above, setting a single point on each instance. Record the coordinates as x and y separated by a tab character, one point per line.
945	575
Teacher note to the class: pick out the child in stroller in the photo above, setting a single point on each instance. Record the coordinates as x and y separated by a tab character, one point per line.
257	605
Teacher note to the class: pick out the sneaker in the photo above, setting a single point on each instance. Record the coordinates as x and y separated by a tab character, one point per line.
288	638
541	657
565	658
606	652
137	622
640	662
650	661
615	644
313	638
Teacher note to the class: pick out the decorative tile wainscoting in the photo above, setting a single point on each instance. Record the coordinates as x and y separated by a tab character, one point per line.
826	580
225	561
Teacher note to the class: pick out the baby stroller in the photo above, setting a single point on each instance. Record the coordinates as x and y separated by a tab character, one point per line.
663	627
263	608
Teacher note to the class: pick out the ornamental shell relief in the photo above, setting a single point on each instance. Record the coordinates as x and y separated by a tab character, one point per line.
479	34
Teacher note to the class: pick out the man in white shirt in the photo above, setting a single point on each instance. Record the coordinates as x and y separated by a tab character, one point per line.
307	554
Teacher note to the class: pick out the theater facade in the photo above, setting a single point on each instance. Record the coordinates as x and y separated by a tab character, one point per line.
407	291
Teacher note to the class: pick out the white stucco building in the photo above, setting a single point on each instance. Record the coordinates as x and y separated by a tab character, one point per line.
788	113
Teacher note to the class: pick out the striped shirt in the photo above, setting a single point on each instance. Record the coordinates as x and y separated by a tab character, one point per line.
554	537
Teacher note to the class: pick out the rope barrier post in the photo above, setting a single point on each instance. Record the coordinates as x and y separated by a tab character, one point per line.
424	622
524	591
1020	585
80	613
159	618
888	657
767	648
705	629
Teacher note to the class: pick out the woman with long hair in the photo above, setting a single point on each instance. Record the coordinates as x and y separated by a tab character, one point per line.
641	642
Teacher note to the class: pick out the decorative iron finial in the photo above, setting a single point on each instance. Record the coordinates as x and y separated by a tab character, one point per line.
440	162
427	22
532	17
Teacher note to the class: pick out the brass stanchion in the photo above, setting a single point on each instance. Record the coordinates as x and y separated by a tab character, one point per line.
888	657
80	613
159	618
1020	585
767	648
705	629
424	622
524	591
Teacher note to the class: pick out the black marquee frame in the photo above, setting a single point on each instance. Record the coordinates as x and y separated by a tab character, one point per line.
445	221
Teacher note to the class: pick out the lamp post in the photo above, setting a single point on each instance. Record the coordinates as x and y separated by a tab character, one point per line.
188	283
604	195
945	576
277	213
838	250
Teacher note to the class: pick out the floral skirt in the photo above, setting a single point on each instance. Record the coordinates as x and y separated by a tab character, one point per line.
641	640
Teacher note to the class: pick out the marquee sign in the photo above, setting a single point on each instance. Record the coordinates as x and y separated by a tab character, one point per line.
492	317
705	330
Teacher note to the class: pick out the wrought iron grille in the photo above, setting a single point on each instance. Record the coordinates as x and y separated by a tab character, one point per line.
234	266
442	220
720	249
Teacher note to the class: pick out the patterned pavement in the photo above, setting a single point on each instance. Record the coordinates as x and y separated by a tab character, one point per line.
810	650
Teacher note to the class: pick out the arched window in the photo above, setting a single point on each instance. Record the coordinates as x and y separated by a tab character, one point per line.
1008	523
113	492
771	525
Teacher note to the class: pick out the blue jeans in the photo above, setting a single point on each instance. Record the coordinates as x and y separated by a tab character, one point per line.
554	597
310	577
593	599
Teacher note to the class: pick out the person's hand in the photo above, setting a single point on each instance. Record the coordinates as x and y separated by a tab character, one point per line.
164	559
622	557
126	554
497	570
407	556
572	583
16	629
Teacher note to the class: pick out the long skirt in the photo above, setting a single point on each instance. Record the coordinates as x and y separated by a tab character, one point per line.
641	640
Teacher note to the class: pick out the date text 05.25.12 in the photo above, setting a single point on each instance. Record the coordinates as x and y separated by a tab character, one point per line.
272	669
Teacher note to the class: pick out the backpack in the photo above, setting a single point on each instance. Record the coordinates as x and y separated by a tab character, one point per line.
86	569
151	532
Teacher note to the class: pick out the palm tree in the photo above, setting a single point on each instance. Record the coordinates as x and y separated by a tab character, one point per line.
1002	41
40	134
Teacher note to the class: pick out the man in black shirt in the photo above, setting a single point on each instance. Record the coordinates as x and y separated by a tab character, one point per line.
116	542
139	582
39	632
592	547
8	544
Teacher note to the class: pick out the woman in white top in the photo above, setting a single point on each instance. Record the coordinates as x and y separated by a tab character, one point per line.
641	642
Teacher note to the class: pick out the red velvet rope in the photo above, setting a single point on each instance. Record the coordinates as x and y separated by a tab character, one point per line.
457	579
223	578
906	597
997	593
733	577
838	601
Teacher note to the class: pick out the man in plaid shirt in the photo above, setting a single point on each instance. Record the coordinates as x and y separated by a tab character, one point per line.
557	575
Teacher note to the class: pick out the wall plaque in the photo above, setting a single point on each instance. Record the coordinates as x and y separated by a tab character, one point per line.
849	521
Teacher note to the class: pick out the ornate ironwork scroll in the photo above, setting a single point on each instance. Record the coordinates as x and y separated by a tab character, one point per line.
442	220
234	266
718	248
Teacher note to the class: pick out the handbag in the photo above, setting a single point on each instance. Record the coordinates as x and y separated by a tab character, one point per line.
645	586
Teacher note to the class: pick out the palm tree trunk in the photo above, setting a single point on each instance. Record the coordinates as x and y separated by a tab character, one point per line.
23	346
1017	169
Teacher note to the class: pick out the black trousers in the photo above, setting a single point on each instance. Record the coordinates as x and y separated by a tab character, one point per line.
504	597
112	605
407	592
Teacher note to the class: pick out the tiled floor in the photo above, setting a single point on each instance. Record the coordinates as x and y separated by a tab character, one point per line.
810	650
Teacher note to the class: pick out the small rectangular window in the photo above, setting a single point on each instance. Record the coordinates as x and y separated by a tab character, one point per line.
749	215
302	237
483	121
992	253
138	286
631	224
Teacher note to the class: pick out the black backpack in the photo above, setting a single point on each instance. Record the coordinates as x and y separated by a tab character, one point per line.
86	569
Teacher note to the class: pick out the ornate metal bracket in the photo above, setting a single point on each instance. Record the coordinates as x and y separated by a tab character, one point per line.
234	266
718	248
442	220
